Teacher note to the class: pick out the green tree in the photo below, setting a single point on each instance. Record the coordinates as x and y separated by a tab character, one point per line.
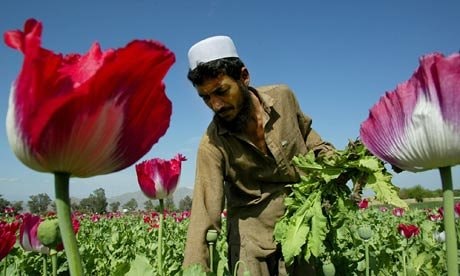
148	205
74	206
17	206
4	203
418	193
38	204
131	205
169	204
185	203
114	206
95	203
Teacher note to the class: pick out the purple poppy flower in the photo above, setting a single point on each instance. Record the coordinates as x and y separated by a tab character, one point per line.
416	127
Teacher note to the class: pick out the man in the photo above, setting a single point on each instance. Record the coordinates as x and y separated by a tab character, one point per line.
244	160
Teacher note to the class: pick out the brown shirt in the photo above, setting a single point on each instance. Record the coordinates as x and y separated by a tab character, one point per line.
253	183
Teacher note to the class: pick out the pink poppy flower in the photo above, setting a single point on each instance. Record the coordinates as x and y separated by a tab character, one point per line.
79	113
416	127
28	234
408	230
158	178
457	209
435	217
398	212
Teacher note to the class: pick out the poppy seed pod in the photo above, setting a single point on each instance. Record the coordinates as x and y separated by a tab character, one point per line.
48	233
365	232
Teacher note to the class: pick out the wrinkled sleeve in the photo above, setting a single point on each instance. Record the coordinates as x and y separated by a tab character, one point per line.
207	203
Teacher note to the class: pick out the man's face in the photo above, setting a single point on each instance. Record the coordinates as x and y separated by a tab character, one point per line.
225	96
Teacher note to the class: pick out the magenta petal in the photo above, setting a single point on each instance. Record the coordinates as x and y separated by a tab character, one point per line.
417	126
158	178
28	234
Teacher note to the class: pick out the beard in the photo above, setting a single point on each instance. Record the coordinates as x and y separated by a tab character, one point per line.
241	120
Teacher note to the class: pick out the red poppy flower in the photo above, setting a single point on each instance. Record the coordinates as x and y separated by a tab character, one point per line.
7	237
158	178
79	113
408	230
363	204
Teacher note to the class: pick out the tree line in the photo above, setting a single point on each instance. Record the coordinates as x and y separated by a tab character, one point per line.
96	202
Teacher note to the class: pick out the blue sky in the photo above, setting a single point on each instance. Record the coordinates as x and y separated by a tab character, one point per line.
338	56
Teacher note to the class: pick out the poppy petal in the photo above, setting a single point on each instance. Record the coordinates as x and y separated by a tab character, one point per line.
416	127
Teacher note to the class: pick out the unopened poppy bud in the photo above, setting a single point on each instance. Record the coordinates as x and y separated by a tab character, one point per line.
48	233
328	269
211	236
365	232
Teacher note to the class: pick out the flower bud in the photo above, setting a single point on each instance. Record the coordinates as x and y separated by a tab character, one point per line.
365	232
48	233
211	235
328	269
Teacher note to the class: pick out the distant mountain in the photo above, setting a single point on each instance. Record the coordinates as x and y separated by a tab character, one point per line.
178	195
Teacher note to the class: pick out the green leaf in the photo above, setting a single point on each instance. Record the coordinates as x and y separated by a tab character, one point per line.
306	161
296	237
140	267
318	229
370	163
296	233
194	270
384	190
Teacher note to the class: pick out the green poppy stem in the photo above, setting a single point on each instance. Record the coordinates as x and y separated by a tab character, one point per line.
5	265
366	245
61	186
160	241
404	261
45	265
53	254
449	220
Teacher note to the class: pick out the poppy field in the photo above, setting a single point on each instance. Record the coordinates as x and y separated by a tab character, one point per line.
397	241
326	221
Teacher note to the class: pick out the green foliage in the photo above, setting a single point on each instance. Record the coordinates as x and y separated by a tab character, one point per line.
194	270
117	244
17	206
3	203
131	205
320	205
114	206
169	204
148	205
95	203
139	267
38	204
185	203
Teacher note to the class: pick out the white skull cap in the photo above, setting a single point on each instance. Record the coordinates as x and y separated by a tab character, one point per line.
211	48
